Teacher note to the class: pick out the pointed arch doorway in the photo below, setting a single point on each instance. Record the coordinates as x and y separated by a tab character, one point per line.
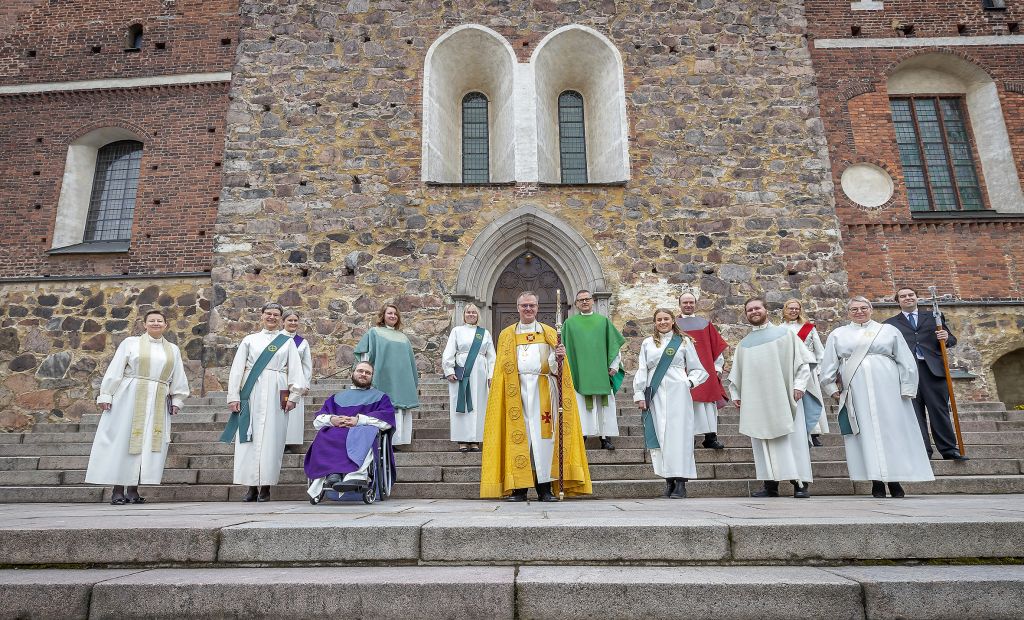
527	272
558	257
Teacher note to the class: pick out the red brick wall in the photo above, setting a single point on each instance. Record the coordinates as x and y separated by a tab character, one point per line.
886	246
172	236
182	126
62	34
930	18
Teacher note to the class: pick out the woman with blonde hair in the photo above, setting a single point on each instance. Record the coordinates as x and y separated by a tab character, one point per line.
395	374
467	364
793	318
667	369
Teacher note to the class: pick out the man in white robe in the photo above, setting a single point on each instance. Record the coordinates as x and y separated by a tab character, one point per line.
590	339
259	447
769	375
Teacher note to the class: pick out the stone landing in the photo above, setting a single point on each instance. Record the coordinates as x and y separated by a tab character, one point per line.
919	557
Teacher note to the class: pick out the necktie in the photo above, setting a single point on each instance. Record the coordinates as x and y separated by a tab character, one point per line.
912	317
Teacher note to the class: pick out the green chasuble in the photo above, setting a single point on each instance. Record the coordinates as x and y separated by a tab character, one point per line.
394	367
591	344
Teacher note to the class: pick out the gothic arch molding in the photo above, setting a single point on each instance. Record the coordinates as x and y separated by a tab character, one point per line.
528	228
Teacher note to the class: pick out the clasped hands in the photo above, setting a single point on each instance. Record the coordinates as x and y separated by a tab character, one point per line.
343	421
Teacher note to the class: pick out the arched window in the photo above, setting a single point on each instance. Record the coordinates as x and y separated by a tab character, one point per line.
572	141
475	154
134	38
112	202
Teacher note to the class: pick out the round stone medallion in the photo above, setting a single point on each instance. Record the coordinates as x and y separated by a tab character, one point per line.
867	185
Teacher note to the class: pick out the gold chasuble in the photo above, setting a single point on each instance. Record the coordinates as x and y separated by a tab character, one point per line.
506	451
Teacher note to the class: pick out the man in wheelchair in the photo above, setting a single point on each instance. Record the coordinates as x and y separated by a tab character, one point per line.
347	444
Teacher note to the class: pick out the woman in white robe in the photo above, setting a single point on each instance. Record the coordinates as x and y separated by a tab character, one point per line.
144	385
467	428
296	435
888	447
672	406
258	460
792	317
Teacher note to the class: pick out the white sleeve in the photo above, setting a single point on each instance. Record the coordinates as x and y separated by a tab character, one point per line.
115	373
734	374
829	369
816	349
296	379
322	421
307	363
365	420
490	355
179	380
237	371
720	362
640	377
448	355
694	369
906	364
616	362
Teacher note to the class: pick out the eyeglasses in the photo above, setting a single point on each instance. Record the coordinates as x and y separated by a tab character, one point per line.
584	299
527	306
853	310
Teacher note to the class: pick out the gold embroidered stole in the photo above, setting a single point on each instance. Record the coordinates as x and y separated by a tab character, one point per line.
543	386
142	396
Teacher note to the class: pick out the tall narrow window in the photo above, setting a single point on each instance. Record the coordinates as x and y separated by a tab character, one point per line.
572	142
134	39
112	202
936	154
475	156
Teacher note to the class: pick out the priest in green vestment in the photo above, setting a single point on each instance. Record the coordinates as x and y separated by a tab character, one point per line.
592	350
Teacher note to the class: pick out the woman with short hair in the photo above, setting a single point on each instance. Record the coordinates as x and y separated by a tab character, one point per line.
395	373
145	384
871	372
669	367
468	363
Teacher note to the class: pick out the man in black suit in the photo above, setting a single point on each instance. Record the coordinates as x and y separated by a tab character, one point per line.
932	402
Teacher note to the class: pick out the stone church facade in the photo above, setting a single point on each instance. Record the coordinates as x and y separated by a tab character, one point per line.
336	155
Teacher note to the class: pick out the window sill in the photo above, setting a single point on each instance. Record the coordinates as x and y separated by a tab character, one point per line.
985	215
601	184
93	247
447	184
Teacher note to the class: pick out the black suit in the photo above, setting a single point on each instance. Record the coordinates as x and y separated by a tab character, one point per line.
932	402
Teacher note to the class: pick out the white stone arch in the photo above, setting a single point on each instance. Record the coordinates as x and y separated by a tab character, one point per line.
527	228
76	184
465	59
579	58
938	73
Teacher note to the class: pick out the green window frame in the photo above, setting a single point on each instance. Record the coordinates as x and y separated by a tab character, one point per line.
572	139
475	139
936	153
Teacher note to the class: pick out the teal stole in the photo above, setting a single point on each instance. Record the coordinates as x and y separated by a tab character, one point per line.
646	417
238	421
465	402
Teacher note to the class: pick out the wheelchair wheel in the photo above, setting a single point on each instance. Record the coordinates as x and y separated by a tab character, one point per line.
319	498
370	494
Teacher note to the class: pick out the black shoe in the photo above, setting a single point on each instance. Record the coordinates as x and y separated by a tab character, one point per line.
896	490
801	492
956	456
678	489
251	494
771	489
669	484
878	489
131	494
544	493
816	441
117	497
606	444
711	441
333	480
264	495
518	495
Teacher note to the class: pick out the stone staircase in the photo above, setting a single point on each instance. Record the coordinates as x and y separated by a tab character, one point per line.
49	465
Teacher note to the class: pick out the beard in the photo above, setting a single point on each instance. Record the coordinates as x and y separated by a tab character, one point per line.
360	382
758	321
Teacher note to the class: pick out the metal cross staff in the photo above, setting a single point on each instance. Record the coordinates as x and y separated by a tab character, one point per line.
558	382
945	364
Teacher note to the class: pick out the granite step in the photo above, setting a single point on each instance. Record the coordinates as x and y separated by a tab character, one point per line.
535	592
603	489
